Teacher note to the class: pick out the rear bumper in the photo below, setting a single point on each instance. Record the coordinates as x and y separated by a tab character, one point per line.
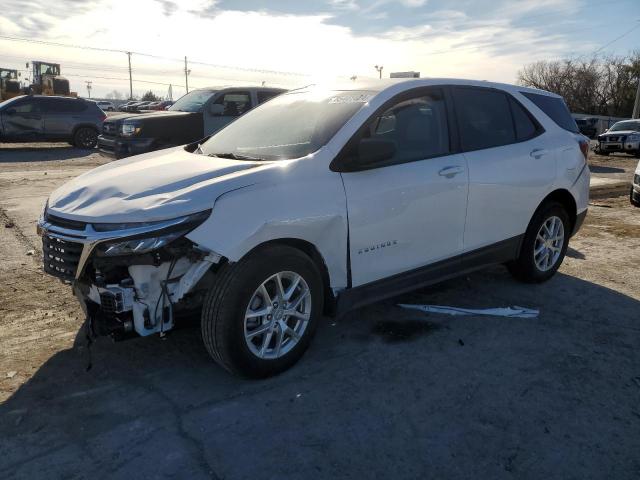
115	147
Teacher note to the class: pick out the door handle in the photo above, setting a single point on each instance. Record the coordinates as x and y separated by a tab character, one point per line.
451	171
538	153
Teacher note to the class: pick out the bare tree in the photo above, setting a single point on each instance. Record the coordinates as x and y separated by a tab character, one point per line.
114	95
598	86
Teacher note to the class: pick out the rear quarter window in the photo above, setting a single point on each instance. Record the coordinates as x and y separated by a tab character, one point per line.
554	108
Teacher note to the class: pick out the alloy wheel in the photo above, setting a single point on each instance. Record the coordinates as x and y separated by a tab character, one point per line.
277	315
548	244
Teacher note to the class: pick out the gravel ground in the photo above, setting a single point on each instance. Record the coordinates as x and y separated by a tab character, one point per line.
382	393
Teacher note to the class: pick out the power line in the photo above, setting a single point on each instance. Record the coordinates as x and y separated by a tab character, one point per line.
617	38
128	52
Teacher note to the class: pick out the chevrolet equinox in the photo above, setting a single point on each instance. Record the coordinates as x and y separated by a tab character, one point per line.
316	202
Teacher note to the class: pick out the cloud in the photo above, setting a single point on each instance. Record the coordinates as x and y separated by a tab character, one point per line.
168	7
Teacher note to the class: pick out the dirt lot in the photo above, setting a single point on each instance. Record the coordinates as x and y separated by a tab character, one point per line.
382	393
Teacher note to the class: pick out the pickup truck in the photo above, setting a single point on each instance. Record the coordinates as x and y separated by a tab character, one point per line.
196	115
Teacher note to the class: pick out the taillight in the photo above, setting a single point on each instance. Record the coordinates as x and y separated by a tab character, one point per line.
584	148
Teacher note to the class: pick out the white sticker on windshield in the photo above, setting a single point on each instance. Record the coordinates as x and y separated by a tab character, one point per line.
359	98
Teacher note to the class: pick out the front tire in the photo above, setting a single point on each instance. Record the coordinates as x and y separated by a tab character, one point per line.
262	312
544	245
85	137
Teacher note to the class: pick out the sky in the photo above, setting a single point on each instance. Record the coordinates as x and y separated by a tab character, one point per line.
292	43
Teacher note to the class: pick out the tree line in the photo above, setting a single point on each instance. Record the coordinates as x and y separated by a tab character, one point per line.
597	86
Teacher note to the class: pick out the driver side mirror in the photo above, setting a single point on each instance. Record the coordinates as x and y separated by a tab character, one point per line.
216	110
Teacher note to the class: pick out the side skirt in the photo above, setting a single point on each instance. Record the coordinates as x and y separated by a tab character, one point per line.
500	252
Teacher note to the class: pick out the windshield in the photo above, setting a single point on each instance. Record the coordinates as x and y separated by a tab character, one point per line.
618	127
192	101
289	126
10	101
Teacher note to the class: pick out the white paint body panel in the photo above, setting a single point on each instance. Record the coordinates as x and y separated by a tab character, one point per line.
405	216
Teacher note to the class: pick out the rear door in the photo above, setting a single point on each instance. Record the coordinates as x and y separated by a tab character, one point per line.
410	212
24	120
234	103
61	115
510	167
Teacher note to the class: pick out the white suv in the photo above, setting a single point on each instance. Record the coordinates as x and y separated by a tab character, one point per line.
317	202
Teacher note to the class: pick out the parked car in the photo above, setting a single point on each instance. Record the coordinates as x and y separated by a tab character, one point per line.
317	202
634	194
194	116
163	105
106	106
37	118
588	126
124	106
621	137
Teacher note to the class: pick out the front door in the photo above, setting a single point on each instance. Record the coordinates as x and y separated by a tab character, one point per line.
234	104
411	212
23	121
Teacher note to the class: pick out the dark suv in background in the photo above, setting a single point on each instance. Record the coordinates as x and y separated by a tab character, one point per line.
192	117
40	118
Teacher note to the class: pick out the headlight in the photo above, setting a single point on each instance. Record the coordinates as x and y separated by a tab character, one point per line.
129	129
143	242
137	246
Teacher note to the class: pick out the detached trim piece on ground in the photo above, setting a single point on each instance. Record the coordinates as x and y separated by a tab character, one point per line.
513	312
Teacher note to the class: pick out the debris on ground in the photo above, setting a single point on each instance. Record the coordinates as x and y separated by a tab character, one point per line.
9	224
11	374
514	312
31	252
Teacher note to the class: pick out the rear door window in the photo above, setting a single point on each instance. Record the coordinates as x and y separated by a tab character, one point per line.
555	108
55	105
524	124
484	118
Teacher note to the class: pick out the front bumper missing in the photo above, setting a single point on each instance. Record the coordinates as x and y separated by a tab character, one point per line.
142	299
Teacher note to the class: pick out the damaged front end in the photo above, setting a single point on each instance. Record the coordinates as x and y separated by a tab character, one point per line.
131	279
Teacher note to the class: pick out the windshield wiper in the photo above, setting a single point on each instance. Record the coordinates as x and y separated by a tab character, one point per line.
234	156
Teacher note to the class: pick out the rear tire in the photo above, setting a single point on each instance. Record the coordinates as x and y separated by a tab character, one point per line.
85	137
241	325
544	245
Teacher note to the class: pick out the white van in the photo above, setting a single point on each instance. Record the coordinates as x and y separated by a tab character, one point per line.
319	201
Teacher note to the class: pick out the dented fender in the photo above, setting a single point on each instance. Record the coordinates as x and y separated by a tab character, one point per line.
312	209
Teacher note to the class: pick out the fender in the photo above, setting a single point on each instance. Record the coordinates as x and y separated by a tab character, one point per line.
303	200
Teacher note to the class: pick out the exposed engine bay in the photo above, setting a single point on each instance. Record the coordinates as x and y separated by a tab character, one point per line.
129	285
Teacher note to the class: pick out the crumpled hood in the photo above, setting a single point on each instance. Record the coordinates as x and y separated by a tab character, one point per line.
154	186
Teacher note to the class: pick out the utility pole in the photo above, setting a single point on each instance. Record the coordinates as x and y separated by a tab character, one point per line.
171	92
379	69
88	82
186	74
636	106
130	80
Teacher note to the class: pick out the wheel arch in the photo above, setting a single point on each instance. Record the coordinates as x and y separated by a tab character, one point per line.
83	125
316	257
565	198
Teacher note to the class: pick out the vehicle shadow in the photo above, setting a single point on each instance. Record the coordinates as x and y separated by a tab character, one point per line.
494	395
15	153
603	169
